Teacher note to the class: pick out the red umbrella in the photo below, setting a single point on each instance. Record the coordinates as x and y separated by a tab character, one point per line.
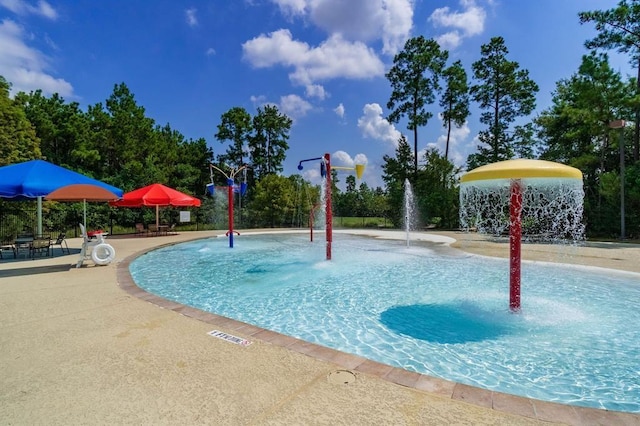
156	195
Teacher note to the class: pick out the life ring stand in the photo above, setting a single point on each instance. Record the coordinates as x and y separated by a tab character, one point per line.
103	254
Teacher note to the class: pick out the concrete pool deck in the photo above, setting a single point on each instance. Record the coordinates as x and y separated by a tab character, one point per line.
86	346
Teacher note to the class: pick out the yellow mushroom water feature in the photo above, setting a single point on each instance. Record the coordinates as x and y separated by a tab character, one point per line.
494	197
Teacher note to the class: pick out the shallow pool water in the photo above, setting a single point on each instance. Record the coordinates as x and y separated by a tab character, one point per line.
442	313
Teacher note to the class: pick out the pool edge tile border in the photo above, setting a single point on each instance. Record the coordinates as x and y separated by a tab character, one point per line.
499	401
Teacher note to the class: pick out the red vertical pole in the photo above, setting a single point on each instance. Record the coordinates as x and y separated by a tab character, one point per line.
230	198
327	198
515	240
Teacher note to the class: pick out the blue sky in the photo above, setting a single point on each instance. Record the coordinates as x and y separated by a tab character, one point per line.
322	62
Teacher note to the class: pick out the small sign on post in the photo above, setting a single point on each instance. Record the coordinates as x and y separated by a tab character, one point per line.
185	216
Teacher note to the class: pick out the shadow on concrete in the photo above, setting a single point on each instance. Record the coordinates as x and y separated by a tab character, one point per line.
23	256
33	270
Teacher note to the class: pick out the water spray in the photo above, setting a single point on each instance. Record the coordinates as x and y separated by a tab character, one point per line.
549	194
230	176
325	172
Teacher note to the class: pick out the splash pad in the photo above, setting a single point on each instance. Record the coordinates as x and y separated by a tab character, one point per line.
325	173
547	195
381	300
230	190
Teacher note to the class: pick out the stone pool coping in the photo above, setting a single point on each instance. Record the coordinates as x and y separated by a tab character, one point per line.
502	402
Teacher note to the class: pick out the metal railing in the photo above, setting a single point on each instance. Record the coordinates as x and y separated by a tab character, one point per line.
16	218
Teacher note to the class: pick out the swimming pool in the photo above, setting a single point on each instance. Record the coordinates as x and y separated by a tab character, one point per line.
439	313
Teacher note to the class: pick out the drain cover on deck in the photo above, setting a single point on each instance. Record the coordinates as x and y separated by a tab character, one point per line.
341	377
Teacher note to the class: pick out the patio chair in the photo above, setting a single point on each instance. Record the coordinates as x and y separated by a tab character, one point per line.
6	246
59	242
163	229
140	229
22	243
41	244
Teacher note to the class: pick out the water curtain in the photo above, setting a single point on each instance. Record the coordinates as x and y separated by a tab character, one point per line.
540	200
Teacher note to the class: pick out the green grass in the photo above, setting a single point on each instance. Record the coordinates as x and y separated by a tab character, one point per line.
338	222
361	222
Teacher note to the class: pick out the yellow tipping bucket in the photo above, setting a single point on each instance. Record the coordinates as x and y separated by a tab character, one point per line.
359	170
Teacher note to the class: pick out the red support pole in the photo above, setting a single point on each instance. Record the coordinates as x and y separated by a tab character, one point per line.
230	197
327	198
515	240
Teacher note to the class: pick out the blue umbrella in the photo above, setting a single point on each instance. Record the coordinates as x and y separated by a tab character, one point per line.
38	178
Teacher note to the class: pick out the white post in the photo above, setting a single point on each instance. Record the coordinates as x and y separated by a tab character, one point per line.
39	228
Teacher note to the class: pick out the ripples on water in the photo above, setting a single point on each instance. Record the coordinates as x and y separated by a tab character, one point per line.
576	340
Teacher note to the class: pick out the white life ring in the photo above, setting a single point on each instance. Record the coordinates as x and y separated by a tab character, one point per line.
103	254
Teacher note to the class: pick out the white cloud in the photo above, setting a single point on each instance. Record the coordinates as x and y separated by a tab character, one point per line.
470	21
339	110
258	100
397	25
294	106
374	125
467	23
357	20
317	91
360	159
333	58
21	7
450	40
292	7
343	159
211	51
276	48
311	174
50	43
192	19
366	20
26	67
46	10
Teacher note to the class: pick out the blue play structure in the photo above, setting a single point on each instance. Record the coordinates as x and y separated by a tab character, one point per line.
237	188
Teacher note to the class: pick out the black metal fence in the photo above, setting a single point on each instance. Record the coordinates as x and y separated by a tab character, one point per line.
17	217
20	217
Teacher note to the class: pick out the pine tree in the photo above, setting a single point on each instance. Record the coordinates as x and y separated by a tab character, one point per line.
415	81
504	92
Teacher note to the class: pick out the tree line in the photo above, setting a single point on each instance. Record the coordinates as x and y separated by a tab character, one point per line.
116	142
575	130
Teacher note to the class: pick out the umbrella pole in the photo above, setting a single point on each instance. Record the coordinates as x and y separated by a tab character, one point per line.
85	213
39	228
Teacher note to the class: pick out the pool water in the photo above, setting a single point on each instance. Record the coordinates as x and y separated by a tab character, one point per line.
424	309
